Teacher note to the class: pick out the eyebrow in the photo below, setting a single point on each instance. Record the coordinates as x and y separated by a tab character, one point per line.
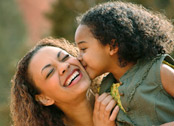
81	42
46	66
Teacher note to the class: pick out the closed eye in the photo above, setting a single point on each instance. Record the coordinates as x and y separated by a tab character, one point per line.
65	57
50	72
83	49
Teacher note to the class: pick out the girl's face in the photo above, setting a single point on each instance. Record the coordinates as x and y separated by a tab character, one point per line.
58	75
93	55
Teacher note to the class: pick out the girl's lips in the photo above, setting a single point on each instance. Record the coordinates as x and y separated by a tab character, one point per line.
73	78
85	67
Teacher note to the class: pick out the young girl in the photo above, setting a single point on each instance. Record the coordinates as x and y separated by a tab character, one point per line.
130	42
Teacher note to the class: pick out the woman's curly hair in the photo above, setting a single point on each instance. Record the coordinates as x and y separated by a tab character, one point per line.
26	111
138	32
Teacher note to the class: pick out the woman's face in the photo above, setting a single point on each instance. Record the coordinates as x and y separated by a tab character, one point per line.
58	75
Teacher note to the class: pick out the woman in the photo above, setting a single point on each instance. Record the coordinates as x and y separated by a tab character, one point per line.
50	86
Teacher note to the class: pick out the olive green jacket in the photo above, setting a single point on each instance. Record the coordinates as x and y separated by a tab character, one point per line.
142	95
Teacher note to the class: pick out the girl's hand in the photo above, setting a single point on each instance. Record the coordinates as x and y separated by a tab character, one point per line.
102	115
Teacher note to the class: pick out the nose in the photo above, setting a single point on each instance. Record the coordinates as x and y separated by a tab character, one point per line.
63	67
79	57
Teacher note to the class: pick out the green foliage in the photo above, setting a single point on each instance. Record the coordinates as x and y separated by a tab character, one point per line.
65	11
5	115
12	33
64	14
11	38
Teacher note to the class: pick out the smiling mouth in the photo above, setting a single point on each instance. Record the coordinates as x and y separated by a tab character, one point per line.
71	78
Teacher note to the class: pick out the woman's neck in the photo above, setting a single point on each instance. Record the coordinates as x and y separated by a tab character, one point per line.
75	112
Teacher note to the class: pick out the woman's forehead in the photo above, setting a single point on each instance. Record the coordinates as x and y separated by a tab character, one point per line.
51	50
43	54
43	57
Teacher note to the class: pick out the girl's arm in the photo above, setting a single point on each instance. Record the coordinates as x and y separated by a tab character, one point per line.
168	124
103	114
167	78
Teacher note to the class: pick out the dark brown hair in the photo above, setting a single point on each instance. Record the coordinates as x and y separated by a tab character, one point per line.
26	111
138	32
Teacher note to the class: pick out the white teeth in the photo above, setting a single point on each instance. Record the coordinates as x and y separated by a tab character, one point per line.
73	76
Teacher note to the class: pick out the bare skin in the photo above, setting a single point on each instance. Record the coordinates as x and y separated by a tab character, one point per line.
53	75
102	115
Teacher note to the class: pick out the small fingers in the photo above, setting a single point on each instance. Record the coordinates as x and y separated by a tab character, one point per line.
98	100
114	113
96	106
103	114
102	96
103	106
109	108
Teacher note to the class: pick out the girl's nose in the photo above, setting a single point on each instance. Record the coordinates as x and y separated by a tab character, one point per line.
63	67
79	57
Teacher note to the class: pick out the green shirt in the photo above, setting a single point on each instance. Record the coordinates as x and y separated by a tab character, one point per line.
143	97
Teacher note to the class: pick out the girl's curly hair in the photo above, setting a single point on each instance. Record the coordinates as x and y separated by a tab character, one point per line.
26	111
138	32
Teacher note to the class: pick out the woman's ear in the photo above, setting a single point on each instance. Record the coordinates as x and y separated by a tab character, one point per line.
45	100
113	47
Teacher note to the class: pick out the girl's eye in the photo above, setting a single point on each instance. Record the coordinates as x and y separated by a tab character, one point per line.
50	72
83	49
65	57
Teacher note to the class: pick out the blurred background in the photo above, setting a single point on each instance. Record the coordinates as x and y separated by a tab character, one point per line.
24	22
